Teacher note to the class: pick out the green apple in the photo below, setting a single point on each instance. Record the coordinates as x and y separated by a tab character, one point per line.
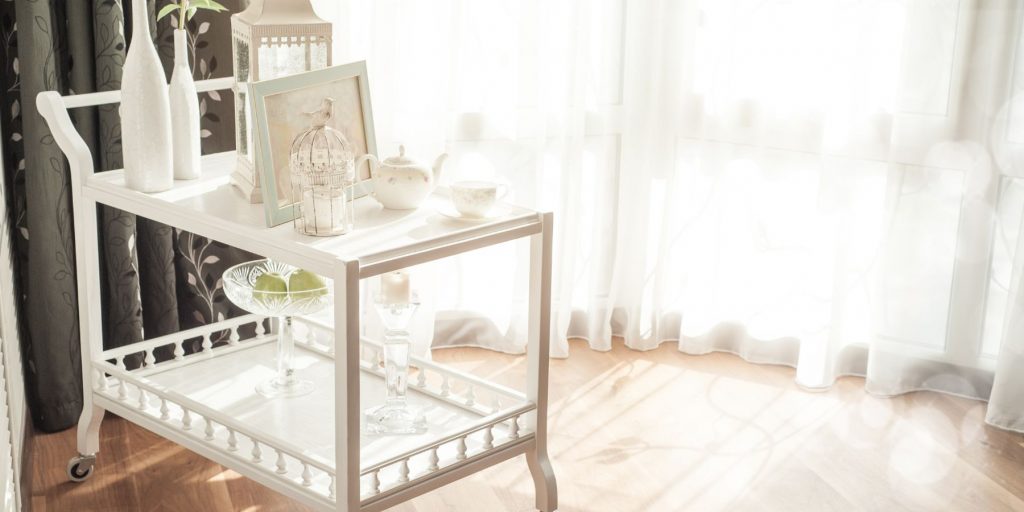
303	284
268	286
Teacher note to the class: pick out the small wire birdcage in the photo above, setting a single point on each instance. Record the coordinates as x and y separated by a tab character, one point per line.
322	173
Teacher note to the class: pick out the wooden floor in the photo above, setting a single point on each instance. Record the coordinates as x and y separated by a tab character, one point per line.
637	432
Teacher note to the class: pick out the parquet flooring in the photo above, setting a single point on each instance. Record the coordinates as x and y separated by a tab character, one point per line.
636	432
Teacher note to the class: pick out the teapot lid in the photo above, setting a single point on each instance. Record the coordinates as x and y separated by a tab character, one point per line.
401	159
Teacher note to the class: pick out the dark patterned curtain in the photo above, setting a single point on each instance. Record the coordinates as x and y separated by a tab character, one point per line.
157	280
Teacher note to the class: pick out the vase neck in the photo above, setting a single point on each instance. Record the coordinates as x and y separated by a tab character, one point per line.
180	47
140	19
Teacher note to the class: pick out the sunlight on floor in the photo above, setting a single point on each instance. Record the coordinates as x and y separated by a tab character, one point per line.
224	476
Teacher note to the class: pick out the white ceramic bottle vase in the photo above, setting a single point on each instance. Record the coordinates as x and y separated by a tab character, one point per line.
184	112
145	112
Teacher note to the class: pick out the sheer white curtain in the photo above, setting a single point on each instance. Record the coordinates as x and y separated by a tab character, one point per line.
832	185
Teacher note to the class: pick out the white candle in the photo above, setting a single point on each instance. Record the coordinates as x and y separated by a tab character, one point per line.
395	288
323	212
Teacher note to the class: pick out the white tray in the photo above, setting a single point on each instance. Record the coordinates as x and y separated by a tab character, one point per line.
208	399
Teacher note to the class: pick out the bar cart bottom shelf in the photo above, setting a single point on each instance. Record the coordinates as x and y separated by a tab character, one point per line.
208	402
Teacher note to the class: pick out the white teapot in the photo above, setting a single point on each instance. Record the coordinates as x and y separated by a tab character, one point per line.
400	183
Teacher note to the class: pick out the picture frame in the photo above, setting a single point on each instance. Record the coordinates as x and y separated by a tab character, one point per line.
278	107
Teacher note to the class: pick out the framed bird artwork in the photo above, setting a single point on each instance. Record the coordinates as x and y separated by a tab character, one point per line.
284	108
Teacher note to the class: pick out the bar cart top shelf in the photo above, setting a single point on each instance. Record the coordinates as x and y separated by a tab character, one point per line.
382	239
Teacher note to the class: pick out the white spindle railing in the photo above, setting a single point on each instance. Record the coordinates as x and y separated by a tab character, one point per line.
174	409
489	438
307	475
403	471
147	349
122	390
318	337
257	454
433	460
375	482
445	386
461	447
282	464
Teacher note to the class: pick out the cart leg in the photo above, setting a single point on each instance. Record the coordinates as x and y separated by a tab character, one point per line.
543	480
80	466
537	361
89	430
347	412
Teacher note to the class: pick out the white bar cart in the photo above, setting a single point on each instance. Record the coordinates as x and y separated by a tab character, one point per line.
309	448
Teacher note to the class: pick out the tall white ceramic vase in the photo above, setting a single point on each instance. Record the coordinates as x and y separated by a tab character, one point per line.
145	112
184	112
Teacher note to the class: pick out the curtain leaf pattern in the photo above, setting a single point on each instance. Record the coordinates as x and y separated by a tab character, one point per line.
152	282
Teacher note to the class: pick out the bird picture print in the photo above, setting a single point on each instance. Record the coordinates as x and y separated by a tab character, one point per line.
290	113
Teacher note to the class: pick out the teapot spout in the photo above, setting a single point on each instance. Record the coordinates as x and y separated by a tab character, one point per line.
437	167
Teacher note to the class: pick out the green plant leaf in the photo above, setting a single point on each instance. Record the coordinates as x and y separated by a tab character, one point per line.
192	12
209	4
169	8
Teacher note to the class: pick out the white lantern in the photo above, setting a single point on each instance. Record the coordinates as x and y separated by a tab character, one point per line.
270	39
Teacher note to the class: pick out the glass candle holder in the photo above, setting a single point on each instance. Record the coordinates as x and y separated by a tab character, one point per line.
395	415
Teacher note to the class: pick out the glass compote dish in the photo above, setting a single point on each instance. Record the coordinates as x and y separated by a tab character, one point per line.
266	287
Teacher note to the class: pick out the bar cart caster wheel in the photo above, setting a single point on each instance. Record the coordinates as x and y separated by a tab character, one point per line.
80	467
